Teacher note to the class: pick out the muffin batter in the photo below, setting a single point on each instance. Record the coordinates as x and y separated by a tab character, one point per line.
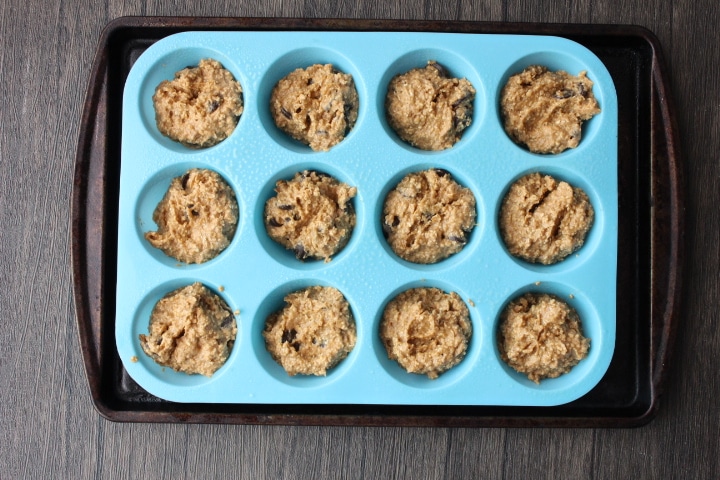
312	333
428	216
545	110
191	330
541	336
312	214
200	107
317	106
543	220
196	218
426	330
427	108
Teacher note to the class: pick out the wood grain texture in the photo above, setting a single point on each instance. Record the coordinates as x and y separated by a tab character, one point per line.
48	425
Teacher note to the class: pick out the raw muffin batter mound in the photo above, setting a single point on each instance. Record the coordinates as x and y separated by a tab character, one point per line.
312	333
200	107
541	336
545	110
428	216
427	108
312	214
317	105
191	330
426	330
196	218
543	220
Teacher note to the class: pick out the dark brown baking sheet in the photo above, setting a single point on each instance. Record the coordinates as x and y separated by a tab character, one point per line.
649	258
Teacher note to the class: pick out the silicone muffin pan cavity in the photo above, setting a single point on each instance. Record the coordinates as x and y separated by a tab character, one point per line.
253	274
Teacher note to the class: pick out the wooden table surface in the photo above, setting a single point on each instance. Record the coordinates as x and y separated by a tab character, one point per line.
48	425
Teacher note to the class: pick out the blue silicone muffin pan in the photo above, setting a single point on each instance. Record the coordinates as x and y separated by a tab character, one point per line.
254	274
